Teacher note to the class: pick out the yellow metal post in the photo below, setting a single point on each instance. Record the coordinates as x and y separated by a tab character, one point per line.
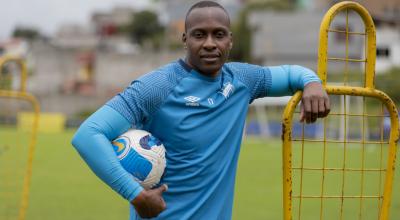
369	31
22	65
368	90
21	94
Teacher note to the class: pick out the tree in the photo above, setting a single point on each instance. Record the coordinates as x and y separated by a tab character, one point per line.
387	83
241	39
145	26
26	33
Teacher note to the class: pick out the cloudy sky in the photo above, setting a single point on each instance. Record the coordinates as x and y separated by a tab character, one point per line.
46	15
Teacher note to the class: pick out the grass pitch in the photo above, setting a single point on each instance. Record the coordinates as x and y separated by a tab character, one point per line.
259	183
64	188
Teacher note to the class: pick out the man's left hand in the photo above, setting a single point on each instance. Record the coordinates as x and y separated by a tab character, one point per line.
314	104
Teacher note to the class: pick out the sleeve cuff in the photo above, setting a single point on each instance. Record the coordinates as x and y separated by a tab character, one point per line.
135	193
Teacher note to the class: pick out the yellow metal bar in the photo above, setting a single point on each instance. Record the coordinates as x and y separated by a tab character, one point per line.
357	114
344	156
342	142
28	174
301	175
380	163
362	159
338	169
287	155
287	143
361	115
349	33
323	173
22	65
371	39
346	71
367	90
346	59
337	197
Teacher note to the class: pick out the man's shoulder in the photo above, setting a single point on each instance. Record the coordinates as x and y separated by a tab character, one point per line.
168	74
250	75
240	67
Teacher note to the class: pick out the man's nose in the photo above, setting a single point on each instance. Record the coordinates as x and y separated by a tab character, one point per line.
209	43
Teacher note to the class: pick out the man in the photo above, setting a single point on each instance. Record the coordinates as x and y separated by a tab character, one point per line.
197	108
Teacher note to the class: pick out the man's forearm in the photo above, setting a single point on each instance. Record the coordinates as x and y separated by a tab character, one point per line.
288	79
93	142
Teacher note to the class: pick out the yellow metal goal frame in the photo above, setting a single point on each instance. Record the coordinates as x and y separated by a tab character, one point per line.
21	94
367	90
23	68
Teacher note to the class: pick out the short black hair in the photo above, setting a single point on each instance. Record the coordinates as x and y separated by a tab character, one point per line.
204	4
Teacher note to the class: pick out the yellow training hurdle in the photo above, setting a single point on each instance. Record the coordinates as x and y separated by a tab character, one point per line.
16	147
22	65
365	188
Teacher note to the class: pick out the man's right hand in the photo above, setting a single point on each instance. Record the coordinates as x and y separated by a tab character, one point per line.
150	203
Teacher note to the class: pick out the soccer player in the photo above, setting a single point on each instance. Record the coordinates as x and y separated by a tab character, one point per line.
197	107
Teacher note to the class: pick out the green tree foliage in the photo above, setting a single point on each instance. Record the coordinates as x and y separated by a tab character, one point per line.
241	39
26	33
389	83
145	27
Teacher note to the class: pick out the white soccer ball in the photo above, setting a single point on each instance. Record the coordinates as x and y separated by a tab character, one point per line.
142	155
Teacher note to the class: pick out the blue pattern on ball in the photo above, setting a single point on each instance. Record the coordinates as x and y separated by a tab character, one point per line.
148	141
137	165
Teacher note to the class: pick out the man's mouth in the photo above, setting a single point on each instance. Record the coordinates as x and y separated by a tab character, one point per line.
210	57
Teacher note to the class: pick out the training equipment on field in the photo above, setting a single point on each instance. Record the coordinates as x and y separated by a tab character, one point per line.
16	144
142	155
355	173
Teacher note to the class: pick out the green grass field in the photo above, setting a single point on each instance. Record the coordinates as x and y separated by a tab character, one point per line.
64	188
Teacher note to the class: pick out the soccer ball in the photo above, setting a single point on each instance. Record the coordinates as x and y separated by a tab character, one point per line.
142	155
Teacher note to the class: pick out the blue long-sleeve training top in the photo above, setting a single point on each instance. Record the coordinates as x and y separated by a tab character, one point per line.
200	121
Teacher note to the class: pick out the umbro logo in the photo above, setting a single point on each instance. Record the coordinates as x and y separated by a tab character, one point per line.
192	100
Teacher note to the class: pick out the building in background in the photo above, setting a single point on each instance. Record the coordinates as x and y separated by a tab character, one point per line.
172	13
75	36
107	25
292	37
278	37
102	32
281	37
387	45
386	15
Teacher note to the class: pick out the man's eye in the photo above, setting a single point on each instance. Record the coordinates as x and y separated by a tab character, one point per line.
220	34
198	35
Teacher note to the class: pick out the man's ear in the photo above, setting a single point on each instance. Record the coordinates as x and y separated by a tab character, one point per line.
231	38
184	39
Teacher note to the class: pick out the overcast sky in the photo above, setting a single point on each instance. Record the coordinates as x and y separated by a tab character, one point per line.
46	15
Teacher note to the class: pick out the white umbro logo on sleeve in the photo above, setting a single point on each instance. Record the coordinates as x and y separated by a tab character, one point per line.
192	100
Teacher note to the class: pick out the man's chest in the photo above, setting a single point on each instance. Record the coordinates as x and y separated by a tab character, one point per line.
201	114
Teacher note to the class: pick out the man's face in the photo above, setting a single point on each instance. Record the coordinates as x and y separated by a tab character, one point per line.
208	39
